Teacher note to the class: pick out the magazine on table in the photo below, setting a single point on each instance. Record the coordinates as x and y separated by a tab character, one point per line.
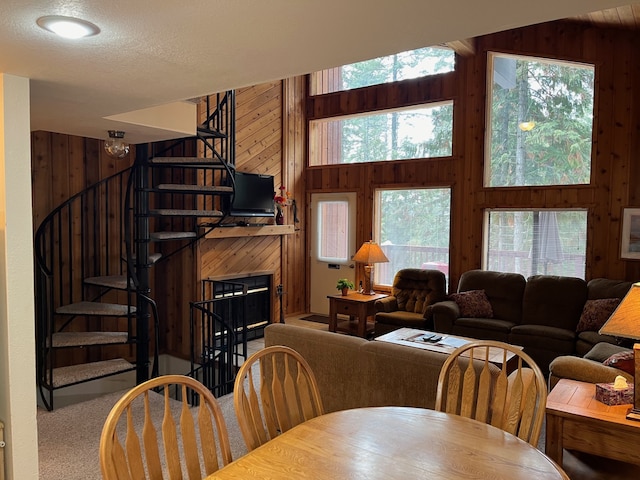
422	339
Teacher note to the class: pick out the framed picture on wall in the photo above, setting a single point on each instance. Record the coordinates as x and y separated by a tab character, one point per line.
630	246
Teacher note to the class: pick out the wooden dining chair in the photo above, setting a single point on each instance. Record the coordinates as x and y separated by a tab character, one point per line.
138	417
274	391
470	386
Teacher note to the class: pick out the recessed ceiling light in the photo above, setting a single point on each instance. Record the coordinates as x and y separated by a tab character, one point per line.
68	27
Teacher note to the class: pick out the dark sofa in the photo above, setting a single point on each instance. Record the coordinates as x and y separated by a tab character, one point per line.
541	313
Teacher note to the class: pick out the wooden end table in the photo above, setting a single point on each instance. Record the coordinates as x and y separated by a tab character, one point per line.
359	307
577	421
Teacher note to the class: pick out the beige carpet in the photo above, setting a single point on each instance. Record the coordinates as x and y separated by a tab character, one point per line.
69	437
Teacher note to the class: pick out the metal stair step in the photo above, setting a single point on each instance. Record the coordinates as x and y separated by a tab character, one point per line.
76	339
208	133
167	212
96	309
153	257
119	282
167	236
194	162
194	189
72	374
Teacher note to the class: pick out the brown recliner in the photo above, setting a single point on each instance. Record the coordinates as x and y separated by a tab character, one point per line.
413	291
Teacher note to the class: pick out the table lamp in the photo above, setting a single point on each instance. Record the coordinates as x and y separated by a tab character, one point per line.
369	253
625	322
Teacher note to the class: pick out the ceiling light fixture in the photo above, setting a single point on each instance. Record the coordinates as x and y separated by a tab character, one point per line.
115	146
68	27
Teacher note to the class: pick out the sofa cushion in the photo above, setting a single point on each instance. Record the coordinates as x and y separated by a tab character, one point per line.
544	331
601	351
554	301
503	289
490	324
595	313
473	304
623	361
605	288
587	339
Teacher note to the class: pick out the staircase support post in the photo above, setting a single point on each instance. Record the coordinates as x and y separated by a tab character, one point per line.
142	239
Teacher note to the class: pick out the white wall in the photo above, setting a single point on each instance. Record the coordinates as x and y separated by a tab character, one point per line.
17	332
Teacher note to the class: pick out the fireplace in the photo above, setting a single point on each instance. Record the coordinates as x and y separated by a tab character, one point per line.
234	310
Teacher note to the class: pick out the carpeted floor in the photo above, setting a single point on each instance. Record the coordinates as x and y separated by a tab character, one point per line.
69	437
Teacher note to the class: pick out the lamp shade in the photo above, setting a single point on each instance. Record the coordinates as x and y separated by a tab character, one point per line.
369	253
625	320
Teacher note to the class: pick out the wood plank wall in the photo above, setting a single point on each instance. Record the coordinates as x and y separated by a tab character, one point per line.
615	54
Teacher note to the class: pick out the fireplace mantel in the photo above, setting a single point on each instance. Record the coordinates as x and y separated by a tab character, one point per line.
250	231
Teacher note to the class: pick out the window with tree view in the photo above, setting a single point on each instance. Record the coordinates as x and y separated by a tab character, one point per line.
412	227
392	68
541	120
536	242
422	132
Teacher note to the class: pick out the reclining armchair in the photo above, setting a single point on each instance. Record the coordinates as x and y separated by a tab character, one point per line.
413	291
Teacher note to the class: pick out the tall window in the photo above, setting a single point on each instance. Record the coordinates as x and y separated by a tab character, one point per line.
536	242
412	227
392	68
423	132
540	125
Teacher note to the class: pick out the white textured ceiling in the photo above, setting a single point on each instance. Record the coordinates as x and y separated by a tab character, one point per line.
154	52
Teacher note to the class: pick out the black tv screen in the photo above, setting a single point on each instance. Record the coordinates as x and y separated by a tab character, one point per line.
253	195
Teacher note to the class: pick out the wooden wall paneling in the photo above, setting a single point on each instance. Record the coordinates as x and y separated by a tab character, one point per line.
41	182
467	215
294	160
633	268
604	164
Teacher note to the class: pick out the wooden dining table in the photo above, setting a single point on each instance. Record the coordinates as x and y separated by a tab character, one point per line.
392	443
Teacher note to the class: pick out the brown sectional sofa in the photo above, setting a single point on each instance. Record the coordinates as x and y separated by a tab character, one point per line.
540	313
353	372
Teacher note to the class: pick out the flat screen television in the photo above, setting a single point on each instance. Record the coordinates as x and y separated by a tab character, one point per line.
253	195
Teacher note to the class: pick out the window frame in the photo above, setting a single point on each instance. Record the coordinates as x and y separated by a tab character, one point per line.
487	167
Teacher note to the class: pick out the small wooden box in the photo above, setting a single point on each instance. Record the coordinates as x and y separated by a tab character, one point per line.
608	395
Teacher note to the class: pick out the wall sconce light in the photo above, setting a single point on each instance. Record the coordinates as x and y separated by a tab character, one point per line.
115	146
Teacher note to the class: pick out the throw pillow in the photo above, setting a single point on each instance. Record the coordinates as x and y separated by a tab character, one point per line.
622	361
595	313
473	304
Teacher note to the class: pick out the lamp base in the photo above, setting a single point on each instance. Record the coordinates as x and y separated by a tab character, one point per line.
633	414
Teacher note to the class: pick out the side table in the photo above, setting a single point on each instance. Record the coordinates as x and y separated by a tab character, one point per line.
359	307
577	421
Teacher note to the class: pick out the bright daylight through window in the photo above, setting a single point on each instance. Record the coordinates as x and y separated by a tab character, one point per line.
392	68
413	228
333	231
541	118
536	242
423	132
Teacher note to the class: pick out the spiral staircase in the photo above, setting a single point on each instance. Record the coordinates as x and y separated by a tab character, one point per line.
95	312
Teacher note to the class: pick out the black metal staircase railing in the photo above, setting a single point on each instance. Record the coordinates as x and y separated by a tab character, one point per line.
218	334
94	257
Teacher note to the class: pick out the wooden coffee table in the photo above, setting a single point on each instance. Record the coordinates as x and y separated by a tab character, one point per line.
359	307
577	421
411	337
